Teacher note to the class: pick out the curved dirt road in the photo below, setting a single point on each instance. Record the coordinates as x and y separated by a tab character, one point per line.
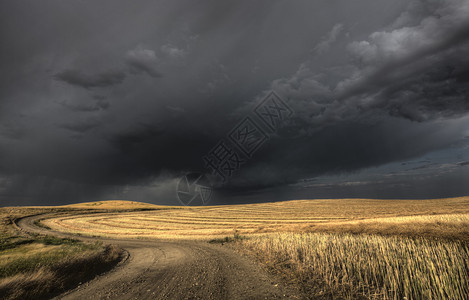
174	270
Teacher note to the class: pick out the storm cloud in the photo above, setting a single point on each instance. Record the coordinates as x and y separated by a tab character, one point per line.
143	60
78	78
117	99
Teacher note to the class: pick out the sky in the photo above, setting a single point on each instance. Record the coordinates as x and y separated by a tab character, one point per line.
270	100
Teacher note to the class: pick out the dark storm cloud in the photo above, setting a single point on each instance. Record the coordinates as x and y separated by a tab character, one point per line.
11	131
142	60
406	72
421	88
329	39
416	72
148	149
83	125
341	148
43	190
78	78
434	94
87	107
182	74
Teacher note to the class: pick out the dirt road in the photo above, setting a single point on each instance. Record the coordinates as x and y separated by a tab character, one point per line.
157	269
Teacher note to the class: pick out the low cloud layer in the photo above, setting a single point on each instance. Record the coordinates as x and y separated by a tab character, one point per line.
78	78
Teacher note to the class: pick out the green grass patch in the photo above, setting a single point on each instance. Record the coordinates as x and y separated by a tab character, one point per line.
228	239
20	255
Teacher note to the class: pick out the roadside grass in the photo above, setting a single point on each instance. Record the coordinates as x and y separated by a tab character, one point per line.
39	271
42	266
349	266
45	251
228	239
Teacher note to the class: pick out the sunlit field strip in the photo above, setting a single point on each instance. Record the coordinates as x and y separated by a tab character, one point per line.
160	226
424	218
86	227
221	219
130	224
444	219
217	222
144	232
152	217
208	220
126	226
244	218
311	215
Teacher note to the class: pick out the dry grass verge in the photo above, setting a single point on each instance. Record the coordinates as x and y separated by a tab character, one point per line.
40	267
53	273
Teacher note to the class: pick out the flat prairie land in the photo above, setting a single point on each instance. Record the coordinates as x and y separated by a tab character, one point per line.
328	248
444	218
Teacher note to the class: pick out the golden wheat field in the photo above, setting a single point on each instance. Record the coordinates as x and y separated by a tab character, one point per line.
442	217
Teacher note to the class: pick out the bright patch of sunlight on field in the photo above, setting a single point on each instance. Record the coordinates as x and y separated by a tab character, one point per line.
348	215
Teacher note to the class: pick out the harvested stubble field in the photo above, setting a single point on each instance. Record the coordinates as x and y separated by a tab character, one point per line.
333	249
447	218
338	266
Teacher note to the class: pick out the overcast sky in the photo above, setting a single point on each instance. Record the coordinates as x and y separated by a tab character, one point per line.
118	99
